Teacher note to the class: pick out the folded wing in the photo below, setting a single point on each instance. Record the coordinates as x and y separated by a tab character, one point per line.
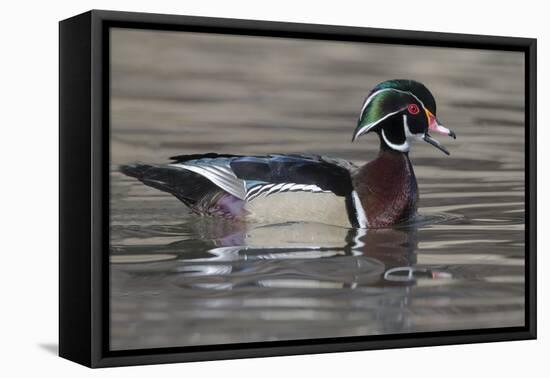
251	177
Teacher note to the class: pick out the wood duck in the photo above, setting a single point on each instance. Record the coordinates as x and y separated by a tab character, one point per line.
279	188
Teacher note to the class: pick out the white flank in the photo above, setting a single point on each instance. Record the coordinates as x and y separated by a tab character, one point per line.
300	206
361	216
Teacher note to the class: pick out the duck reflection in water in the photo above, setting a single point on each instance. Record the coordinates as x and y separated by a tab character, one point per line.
289	255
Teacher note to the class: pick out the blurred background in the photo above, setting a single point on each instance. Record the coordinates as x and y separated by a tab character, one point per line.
180	280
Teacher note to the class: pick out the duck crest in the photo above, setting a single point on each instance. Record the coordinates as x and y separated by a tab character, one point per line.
387	189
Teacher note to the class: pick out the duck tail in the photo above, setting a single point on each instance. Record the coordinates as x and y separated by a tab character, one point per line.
162	177
135	170
187	186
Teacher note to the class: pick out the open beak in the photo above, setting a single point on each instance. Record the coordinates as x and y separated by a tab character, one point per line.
434	126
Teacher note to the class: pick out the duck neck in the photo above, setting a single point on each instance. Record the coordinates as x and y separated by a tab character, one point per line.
387	188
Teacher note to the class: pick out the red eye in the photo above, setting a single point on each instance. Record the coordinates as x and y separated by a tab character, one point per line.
413	108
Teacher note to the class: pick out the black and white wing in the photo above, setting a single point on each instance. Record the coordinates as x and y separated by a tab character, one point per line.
256	187
251	177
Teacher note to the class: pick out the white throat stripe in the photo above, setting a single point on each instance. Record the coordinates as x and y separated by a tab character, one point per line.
405	147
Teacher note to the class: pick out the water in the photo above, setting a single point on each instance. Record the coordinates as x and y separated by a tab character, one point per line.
178	279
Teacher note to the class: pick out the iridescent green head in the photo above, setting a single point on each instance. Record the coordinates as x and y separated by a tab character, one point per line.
400	111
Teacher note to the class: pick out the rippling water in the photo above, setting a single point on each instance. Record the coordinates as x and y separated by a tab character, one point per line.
179	279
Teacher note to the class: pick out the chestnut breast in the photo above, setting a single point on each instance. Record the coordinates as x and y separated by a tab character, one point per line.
387	189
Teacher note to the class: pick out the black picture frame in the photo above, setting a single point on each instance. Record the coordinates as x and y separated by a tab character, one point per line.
84	187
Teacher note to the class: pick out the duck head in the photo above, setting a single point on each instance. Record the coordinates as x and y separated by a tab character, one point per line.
401	111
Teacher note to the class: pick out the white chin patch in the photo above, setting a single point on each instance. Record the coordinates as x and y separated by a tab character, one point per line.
405	147
409	137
